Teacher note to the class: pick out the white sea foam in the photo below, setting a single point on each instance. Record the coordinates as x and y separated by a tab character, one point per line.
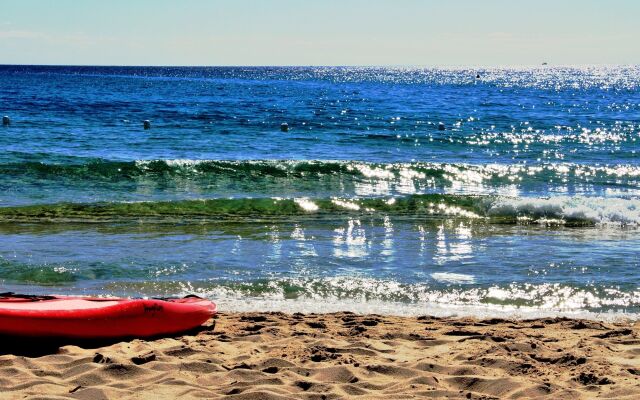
305	305
369	295
599	210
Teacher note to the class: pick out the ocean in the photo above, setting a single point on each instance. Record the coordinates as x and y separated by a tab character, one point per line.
408	191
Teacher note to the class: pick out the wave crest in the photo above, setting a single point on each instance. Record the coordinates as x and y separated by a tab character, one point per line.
561	210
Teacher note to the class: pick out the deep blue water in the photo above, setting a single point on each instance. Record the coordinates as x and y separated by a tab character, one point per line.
536	179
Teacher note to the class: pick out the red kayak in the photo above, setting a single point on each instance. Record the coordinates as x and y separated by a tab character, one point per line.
99	318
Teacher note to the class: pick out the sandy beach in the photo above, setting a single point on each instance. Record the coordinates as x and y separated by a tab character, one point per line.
341	355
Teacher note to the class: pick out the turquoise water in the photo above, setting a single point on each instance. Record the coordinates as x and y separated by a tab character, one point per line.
527	203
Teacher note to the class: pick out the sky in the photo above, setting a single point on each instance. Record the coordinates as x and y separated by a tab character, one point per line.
319	32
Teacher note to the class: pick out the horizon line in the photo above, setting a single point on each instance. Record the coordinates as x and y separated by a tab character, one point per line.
543	64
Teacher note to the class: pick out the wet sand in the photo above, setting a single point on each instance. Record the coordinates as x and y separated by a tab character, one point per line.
342	355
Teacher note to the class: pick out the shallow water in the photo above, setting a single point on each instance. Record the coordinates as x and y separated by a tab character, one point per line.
527	203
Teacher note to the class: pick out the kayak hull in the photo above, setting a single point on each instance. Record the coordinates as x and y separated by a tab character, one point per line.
100	318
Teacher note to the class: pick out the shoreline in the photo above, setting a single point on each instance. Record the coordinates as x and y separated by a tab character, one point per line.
414	310
273	355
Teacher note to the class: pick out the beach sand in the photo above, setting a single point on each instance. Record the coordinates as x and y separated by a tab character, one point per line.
330	356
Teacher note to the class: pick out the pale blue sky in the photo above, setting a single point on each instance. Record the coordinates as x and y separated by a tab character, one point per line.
320	32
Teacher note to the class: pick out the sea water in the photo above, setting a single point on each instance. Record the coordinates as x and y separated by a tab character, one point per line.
526	204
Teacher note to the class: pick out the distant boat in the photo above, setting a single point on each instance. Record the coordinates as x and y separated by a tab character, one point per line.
544	63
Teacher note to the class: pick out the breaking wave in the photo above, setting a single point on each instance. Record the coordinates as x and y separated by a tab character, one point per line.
359	178
561	210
